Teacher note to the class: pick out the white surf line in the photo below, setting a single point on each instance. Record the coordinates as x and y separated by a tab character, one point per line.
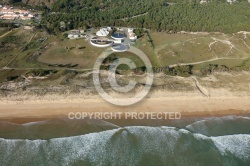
112	124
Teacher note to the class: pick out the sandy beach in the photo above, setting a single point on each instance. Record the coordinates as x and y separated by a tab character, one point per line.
188	104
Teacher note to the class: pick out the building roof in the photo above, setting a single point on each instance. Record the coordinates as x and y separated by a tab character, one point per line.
8	17
102	32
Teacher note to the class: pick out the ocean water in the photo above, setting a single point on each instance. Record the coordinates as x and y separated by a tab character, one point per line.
193	141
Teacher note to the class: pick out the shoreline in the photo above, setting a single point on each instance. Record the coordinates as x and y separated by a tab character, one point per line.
184	116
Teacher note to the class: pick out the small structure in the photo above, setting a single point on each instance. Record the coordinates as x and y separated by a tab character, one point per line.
102	32
101	42
132	35
9	17
130	30
7	11
107	28
75	34
120	29
24	17
70	36
28	27
119	47
6	7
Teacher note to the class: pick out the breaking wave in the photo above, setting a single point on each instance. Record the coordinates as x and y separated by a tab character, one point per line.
134	145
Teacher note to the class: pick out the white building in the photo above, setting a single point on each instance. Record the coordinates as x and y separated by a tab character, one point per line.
23	17
7	11
107	28
70	36
131	34
82	31
76	36
9	17
31	16
130	30
102	32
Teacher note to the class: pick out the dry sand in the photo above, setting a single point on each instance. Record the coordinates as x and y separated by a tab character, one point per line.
188	104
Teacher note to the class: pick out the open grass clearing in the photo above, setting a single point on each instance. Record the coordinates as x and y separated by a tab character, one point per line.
70	51
190	48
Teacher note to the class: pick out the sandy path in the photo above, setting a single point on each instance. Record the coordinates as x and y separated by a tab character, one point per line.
6	34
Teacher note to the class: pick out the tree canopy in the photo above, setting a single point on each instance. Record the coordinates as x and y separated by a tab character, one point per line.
150	14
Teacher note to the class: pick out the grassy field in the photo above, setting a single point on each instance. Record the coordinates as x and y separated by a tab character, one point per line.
37	49
3	31
9	48
230	63
7	74
134	58
146	47
70	51
189	48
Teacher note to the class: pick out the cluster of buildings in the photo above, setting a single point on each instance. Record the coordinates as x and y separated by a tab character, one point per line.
119	41
76	34
9	13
